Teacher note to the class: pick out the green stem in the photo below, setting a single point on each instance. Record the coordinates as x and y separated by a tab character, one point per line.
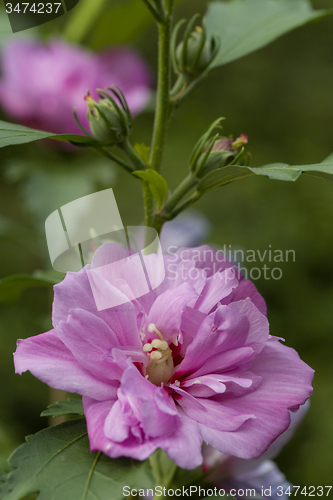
186	204
115	159
128	149
163	105
155	13
148	204
184	187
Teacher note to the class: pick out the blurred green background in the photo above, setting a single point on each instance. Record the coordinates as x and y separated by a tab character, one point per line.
282	98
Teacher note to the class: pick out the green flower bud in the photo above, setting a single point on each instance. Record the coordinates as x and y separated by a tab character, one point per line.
108	122
220	155
194	54
223	152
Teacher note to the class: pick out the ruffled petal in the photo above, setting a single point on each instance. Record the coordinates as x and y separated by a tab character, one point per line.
217	287
166	312
286	384
48	359
259	327
238	384
247	289
213	414
89	339
222	331
75	292
184	446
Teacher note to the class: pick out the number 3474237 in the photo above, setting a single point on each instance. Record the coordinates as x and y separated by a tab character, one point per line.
310	491
35	8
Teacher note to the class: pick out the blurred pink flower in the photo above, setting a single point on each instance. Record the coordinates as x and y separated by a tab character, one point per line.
42	83
188	362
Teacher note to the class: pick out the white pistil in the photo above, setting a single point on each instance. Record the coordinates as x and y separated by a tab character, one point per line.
152	328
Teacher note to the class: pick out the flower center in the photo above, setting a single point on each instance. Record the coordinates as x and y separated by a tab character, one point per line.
160	368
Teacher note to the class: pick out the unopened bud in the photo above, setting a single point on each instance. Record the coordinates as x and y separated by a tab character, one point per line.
108	122
223	152
194	54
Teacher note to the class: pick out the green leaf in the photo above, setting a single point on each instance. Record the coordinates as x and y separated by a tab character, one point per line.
49	275
247	25
277	171
57	463
12	134
12	287
157	184
70	406
163	467
143	151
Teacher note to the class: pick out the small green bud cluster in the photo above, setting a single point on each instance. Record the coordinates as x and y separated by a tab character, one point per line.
110	121
195	52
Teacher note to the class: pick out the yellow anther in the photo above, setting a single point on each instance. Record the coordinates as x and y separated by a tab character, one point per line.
164	345
147	348
155	355
156	343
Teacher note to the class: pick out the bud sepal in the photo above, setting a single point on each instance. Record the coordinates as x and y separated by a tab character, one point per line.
212	153
109	121
192	56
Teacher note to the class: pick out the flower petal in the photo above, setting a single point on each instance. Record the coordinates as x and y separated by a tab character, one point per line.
74	292
184	446
214	414
286	384
247	289
238	384
166	312
221	331
89	339
48	359
217	287
96	413
259	326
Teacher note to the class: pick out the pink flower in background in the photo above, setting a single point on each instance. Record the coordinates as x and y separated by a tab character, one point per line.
42	83
190	361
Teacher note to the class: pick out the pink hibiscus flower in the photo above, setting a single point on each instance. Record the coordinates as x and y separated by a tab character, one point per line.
190	361
42	83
